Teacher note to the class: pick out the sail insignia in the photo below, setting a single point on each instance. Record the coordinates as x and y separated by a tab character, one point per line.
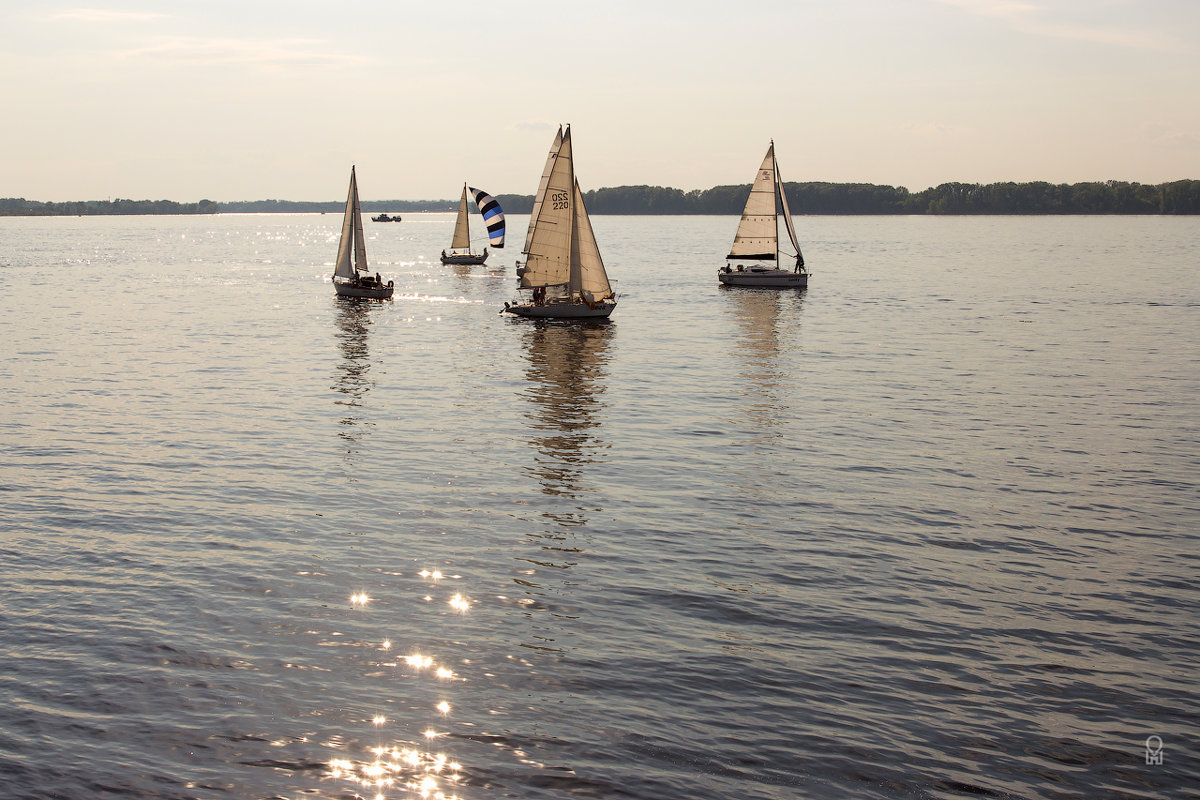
493	216
541	190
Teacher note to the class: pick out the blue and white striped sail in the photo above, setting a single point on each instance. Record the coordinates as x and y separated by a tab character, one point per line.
493	216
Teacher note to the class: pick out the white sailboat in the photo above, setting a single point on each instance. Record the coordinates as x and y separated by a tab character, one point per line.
460	244
351	275
758	238
563	269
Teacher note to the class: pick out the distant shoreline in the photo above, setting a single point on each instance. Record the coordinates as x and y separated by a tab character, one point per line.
1037	198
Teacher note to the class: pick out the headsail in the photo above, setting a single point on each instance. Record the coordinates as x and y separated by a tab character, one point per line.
787	216
549	240
586	263
352	249
757	233
541	191
493	216
462	228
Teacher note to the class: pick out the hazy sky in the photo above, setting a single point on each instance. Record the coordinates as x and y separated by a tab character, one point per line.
252	100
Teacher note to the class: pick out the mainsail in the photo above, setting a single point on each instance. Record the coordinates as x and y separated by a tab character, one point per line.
541	191
562	247
352	249
549	240
462	229
757	234
493	216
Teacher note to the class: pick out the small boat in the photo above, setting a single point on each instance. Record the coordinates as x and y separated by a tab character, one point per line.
385	218
563	270
460	244
351	275
758	238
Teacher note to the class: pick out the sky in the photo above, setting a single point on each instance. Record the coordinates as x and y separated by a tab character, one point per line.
261	99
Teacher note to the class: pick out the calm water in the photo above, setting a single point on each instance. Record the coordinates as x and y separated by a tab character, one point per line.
928	530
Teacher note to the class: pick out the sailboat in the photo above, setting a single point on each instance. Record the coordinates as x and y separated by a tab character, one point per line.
351	275
563	269
460	244
758	238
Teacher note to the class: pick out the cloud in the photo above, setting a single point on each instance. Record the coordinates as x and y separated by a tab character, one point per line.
191	50
1028	17
1167	136
107	15
535	125
928	129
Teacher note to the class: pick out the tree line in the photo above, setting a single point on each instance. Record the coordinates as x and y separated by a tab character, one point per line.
20	207
1107	197
1038	197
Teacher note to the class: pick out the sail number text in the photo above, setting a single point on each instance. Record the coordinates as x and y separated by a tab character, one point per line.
558	201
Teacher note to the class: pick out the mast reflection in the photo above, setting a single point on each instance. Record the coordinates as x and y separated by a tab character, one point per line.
566	376
766	320
353	373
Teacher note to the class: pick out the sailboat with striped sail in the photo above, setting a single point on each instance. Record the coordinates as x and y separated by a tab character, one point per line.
563	270
351	275
759	239
460	244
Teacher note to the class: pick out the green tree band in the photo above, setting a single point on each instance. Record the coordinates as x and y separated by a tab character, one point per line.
1039	197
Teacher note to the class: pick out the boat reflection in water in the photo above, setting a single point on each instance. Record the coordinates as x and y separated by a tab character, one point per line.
565	373
769	325
353	372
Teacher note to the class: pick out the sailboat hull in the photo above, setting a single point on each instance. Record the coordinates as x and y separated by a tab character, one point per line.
372	292
766	278
464	258
565	310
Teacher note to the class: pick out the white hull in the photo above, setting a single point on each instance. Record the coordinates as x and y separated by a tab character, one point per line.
565	310
373	292
768	278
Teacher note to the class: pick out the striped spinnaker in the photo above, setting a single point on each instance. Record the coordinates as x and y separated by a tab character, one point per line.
493	216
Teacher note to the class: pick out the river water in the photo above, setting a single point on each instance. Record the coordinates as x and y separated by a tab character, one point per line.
927	530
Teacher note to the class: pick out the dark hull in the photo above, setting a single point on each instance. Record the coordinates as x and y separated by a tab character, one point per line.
465	258
372	292
553	310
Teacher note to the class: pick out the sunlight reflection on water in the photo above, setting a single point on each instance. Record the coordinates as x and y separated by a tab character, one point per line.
402	766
